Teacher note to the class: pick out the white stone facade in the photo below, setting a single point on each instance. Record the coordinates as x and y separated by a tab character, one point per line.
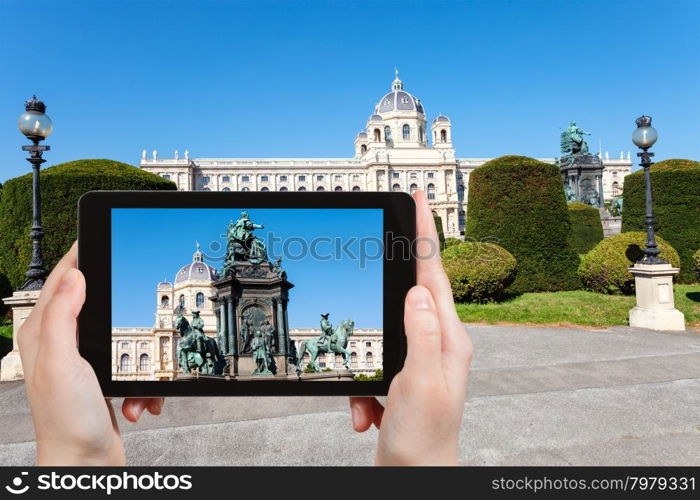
397	151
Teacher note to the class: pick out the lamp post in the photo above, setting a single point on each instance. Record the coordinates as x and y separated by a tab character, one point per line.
644	138
37	126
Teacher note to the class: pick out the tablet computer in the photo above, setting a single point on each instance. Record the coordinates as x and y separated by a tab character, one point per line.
245	293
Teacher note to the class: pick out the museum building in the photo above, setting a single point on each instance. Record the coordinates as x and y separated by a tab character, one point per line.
398	150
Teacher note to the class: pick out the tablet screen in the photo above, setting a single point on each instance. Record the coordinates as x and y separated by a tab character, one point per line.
247	294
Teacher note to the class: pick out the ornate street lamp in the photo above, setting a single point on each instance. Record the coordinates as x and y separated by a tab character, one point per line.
644	138
37	126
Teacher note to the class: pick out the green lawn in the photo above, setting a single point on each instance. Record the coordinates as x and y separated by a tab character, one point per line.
576	307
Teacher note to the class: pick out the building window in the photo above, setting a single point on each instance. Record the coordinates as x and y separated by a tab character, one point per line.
321	360
369	360
406	132
422	133
431	191
395	175
301	188
413	175
226	189
144	363
431	175
363	149
264	188
245	178
353	360
283	178
125	363
338	177
125	345
226	178
182	301
205	179
263	178
377	135
443	135
319	178
166	176
320	188
164	302
396	187
615	189
199	299
144	345
338	188
356	188
283	188
245	189
460	192
414	188
387	133
462	217
368	344
302	178
338	361
206	189
355	177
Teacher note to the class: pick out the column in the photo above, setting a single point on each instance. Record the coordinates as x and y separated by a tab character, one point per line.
231	321
286	321
600	189
221	327
281	329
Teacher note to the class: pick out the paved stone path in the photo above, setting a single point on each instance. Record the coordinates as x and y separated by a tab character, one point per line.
538	396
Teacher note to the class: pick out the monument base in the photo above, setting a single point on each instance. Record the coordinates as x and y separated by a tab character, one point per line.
655	308
22	302
332	376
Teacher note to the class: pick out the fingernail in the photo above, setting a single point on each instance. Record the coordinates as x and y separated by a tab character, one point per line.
419	298
67	280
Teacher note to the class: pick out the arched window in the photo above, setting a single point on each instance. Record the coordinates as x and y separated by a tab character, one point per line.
181	301
284	188
338	188
226	189
356	188
206	189
414	188
387	133
462	217
431	191
406	132
199	299
460	192
320	188
615	189
422	133
443	135
245	189
125	363
396	187
363	149
301	188
377	135
164	302
144	363
369	360
353	360
265	189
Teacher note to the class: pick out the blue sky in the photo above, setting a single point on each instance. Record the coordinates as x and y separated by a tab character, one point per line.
235	79
150	245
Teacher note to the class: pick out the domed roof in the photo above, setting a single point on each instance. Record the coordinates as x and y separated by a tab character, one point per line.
165	284
375	118
398	100
197	270
362	134
441	118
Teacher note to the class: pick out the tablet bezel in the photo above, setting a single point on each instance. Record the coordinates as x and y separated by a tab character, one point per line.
94	260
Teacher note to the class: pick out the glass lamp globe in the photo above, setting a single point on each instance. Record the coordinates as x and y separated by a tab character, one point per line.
34	122
645	135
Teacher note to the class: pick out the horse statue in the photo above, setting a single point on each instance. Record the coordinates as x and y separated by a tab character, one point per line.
196	351
337	344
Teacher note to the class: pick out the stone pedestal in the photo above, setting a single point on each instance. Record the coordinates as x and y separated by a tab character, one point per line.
22	303
655	308
252	298
583	172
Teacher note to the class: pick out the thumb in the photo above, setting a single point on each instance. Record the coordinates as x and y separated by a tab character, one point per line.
59	321
423	333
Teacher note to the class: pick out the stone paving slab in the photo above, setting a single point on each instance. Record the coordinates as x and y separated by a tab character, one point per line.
538	396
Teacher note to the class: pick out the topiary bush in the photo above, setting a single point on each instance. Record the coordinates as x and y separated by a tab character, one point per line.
478	272
586	228
452	241
604	269
518	202
676	194
61	187
696	264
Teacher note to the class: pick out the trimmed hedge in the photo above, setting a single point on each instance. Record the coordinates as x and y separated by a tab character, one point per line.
586	228
676	195
518	202
696	264
478	272
61	187
604	269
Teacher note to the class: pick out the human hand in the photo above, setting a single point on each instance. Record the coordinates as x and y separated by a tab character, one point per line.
420	424
74	424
